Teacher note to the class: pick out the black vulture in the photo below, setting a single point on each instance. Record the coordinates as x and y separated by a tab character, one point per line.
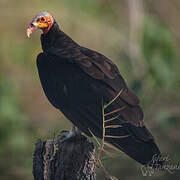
80	82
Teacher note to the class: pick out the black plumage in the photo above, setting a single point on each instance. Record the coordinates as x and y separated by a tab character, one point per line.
77	80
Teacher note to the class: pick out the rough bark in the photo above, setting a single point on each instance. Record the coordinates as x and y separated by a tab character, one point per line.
71	159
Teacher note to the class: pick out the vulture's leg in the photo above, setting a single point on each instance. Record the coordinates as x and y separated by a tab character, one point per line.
68	134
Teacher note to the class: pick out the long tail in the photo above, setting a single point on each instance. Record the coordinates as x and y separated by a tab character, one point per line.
136	145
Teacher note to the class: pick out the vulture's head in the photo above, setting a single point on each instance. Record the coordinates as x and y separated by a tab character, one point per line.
43	21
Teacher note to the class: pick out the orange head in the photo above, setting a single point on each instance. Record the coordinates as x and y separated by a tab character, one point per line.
43	21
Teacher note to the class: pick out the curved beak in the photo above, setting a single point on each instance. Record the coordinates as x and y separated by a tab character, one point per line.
31	28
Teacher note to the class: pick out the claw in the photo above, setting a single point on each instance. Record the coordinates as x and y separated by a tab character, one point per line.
65	135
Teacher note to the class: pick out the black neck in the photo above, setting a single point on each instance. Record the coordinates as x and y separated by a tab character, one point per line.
56	38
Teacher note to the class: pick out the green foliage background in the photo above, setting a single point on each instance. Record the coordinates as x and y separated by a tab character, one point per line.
140	36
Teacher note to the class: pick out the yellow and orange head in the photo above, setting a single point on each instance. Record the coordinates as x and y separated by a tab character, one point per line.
43	21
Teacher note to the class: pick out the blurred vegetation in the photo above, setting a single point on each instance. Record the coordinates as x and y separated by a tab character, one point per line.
141	37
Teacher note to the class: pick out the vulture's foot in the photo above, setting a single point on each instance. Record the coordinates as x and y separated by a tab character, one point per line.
65	135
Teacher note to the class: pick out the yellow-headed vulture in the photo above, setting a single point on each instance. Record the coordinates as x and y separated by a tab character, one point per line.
79	81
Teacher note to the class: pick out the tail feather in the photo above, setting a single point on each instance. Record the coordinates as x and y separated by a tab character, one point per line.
139	145
141	152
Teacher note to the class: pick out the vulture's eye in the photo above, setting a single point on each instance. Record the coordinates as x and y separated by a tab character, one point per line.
42	19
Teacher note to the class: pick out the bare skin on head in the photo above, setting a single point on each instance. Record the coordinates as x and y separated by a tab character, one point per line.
43	21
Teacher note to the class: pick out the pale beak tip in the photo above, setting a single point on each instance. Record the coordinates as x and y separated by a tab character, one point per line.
28	32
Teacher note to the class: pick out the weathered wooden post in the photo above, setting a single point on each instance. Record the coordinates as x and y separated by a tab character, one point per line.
71	159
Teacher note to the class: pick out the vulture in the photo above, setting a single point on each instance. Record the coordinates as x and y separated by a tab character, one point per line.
89	90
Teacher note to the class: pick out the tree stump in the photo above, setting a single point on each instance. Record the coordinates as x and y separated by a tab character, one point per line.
71	159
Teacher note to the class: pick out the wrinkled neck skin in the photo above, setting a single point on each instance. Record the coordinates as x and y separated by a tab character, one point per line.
56	42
